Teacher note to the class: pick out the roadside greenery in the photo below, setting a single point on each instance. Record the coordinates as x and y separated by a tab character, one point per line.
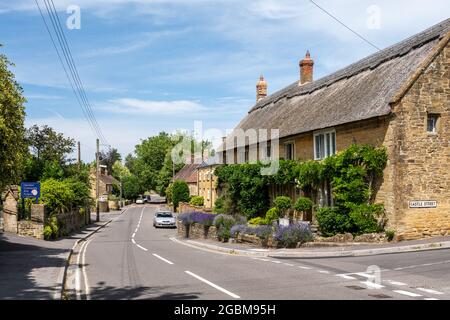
13	148
352	175
179	191
197	201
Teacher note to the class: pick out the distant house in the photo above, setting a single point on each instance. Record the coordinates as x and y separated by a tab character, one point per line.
106	182
207	182
189	175
398	98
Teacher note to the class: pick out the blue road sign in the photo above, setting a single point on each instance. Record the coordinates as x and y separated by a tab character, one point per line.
30	190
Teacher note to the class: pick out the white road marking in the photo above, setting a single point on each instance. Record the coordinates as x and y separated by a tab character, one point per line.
431	291
132	240
275	261
141	247
324	271
161	258
77	273
86	282
396	283
422	265
303	267
372	285
288	264
133	235
430	299
407	293
346	276
231	294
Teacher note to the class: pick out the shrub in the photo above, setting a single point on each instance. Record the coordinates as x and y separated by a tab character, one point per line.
224	221
262	232
202	218
258	221
283	204
186	219
180	193
197	201
390	234
57	195
364	218
289	236
272	215
224	205
303	204
237	230
333	221
48	232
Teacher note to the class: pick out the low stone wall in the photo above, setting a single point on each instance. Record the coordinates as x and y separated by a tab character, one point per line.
348	237
196	231
29	228
71	221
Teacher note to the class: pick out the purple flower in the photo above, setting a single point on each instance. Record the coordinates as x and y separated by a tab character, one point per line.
289	236
263	232
202	218
238	229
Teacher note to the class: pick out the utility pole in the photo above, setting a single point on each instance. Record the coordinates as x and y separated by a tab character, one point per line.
97	191
79	156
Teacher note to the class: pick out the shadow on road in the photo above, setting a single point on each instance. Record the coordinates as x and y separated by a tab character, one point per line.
104	292
24	268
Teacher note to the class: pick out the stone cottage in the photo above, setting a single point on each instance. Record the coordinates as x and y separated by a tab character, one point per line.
106	183
189	174
398	98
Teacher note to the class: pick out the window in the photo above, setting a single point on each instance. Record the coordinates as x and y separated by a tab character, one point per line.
269	151
289	151
432	121
324	144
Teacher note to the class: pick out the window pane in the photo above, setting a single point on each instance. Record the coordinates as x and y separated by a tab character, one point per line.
333	143
317	142
328	146
322	146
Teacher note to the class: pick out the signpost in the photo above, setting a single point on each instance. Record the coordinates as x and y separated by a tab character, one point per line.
30	190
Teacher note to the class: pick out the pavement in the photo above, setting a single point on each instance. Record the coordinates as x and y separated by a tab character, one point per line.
130	259
344	250
34	269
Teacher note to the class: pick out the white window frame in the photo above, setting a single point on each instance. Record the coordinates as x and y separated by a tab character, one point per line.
293	150
327	147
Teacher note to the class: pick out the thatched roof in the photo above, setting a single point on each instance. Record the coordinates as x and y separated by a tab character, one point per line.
360	91
188	173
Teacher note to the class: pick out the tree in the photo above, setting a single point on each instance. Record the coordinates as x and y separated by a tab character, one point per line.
12	131
119	171
180	193
49	151
49	145
131	188
109	158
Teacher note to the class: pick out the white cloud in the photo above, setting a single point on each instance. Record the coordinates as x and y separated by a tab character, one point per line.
137	106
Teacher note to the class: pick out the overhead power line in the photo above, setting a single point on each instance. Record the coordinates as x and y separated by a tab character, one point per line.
71	70
345	26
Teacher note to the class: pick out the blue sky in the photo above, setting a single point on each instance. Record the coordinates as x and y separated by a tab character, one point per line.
156	65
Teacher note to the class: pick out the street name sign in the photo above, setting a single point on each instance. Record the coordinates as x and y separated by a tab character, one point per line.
423	204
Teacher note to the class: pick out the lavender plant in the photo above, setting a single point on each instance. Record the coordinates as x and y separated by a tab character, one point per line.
289	236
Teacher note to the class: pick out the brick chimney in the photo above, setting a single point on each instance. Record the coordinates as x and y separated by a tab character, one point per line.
306	69
261	89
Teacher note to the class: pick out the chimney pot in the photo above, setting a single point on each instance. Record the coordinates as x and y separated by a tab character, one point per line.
306	69
261	89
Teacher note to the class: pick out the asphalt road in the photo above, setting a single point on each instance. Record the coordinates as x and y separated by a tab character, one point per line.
129	259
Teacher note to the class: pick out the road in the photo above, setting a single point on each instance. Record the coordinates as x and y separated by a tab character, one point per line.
129	259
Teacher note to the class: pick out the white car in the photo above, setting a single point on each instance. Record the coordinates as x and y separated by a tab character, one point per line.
164	219
140	200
